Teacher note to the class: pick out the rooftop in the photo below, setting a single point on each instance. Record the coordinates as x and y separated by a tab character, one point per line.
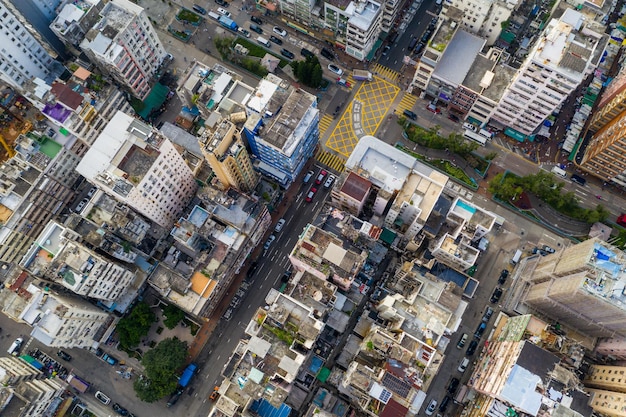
285	130
364	14
458	57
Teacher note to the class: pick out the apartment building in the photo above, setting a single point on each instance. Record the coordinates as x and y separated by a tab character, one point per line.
612	102
580	286
25	389
350	193
356	25
481	17
564	55
74	19
227	155
24	54
134	163
302	11
124	44
613	348
282	129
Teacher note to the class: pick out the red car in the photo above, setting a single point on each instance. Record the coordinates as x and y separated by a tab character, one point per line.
320	177
310	195
621	220
433	108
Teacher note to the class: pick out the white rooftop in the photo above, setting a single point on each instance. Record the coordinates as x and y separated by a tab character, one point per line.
262	96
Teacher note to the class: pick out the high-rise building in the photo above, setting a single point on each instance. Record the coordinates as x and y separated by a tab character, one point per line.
24	54
580	286
74	20
135	164
356	26
282	129
226	154
124	44
564	55
481	17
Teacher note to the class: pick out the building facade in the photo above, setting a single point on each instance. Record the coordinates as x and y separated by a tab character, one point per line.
356	25
124	44
132	162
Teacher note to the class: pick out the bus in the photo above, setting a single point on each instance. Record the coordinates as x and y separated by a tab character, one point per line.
480	139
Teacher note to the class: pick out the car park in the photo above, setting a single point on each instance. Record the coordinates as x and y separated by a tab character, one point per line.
329	181
64	355
463	365
453	385
497	293
335	69
280	31
487	315
256	20
462	341
310	195
100	396
287	54
320	177
276	40
120	410
503	276
480	330
308	177
431	407
471	348
279	225
269	242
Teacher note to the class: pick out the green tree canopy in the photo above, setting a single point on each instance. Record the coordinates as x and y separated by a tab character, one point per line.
173	316
135	326
308	72
161	365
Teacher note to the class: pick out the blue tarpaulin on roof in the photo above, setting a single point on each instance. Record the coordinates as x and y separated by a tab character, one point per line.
265	409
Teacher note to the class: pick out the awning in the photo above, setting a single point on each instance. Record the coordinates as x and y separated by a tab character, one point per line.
520	137
155	99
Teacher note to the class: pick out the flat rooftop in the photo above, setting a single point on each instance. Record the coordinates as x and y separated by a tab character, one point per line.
458	57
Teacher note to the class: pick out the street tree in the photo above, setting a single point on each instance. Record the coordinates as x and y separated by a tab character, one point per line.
173	316
136	325
161	365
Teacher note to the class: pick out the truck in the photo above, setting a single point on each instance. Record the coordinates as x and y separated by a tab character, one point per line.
228	23
80	385
361	75
188	373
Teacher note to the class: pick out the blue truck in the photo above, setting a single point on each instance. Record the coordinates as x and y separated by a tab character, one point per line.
228	23
188	373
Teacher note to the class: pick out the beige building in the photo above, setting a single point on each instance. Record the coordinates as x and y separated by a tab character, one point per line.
608	403
605	377
226	154
612	348
580	286
350	193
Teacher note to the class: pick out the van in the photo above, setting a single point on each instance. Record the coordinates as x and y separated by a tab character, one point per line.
262	41
256	28
463	365
515	259
485	133
558	171
15	347
412	44
409	114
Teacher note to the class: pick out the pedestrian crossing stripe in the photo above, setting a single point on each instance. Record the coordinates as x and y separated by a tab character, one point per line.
332	161
386	73
407	103
349	79
325	123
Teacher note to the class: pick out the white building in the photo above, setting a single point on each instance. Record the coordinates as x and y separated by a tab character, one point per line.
124	44
132	162
356	26
566	53
481	17
64	321
23	55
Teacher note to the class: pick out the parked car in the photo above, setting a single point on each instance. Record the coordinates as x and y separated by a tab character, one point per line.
15	347
269	242
276	40
223	12
497	293
320	177
280	31
215	394
480	330
327	54
256	20
100	396
306	53
471	348
462	341
222	3
503	276
487	315
199	9
120	410
279	225
386	50
80	206
433	108
310	195
243	32
308	177
453	385
548	249
256	28
64	355
329	181
444	403
109	359
287	54
621	220
91	192
463	365
174	397
454	117
335	69
431	407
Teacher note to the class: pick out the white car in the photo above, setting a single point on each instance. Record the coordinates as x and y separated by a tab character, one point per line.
329	181
282	32
335	69
223	12
431	407
102	398
279	225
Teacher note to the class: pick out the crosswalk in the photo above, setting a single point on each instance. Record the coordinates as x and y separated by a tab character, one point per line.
349	79
386	73
407	103
325	123
332	161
